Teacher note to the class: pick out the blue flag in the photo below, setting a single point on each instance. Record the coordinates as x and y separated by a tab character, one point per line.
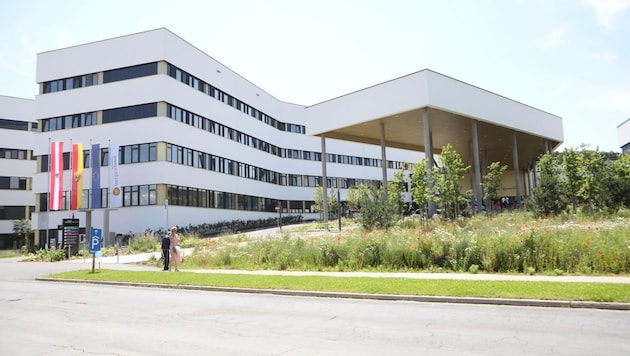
96	176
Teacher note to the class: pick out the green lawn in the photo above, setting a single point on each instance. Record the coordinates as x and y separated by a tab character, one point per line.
565	291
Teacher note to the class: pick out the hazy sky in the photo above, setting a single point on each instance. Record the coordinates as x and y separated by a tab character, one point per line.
570	58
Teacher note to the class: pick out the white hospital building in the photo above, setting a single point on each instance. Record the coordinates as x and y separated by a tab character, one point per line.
216	147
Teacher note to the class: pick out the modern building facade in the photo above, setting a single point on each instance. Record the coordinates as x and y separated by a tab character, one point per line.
198	143
194	136
17	165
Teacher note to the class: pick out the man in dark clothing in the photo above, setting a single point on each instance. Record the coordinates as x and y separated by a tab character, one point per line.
166	248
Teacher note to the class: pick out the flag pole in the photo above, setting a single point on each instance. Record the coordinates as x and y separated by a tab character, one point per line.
48	199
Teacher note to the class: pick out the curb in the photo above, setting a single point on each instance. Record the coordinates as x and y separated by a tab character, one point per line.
384	297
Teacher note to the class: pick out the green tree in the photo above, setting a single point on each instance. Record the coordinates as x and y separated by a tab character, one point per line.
352	199
548	196
446	177
377	211
572	175
593	168
619	187
396	188
420	188
22	229
492	183
333	202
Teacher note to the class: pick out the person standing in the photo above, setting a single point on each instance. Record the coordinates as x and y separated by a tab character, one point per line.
176	254
166	251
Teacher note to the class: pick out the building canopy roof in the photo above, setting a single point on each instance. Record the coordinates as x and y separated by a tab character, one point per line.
452	107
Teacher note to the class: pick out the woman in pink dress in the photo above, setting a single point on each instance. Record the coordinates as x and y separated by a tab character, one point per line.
176	254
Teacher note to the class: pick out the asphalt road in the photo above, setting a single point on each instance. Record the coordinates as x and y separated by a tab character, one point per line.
52	318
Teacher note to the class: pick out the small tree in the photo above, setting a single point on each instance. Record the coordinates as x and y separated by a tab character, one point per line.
549	196
22	229
332	200
619	187
492	183
352	199
446	177
595	177
396	188
420	188
376	210
572	175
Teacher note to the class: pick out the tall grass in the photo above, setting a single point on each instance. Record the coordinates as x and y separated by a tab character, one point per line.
510	242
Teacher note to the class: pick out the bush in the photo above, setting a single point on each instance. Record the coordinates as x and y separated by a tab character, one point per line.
143	243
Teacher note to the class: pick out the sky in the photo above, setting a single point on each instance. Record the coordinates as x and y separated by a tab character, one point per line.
570	58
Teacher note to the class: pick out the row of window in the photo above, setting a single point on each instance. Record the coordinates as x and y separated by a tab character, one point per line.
143	195
228	99
69	121
17	125
134	195
147	152
130	113
208	161
189	118
203	198
15	183
137	153
15	212
206	124
148	69
109	76
79	81
141	70
12	153
216	128
111	115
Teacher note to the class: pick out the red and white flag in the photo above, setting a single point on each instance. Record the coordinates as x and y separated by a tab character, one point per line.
55	193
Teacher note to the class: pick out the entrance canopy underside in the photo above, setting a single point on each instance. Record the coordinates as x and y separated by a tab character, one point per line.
452	108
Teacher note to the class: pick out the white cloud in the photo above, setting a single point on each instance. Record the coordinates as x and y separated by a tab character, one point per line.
557	37
607	10
606	57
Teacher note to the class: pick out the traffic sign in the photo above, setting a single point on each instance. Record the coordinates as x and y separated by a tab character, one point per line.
96	239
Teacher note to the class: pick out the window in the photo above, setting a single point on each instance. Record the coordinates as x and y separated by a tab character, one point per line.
146	152
11	153
137	195
70	83
69	121
13	125
14	212
130	113
137	71
13	183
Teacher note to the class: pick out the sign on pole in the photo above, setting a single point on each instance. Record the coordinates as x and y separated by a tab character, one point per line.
71	236
96	239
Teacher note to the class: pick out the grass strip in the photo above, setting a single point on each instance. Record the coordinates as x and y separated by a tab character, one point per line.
566	291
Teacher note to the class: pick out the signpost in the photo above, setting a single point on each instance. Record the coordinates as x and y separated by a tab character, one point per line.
71	235
96	240
279	210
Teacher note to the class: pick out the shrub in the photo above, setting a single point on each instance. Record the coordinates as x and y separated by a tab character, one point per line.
508	242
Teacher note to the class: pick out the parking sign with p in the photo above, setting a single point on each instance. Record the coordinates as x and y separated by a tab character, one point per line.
96	240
